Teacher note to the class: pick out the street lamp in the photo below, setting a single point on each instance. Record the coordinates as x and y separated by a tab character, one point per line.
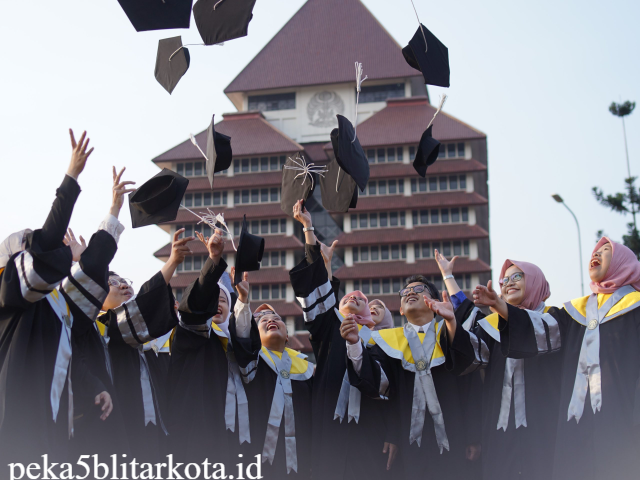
559	199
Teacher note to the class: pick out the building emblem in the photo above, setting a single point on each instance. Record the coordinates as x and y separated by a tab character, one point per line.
323	108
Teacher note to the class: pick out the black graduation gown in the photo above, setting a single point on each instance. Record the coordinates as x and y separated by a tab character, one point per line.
523	452
425	460
198	375
158	355
605	444
261	380
29	336
149	315
85	291
341	449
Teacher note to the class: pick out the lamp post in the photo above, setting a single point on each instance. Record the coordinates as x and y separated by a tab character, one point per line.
559	199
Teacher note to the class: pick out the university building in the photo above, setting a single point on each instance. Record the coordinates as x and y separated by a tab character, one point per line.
287	99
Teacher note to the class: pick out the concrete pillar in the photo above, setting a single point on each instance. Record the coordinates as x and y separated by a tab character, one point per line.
349	286
473	250
407	187
230	199
348	256
472	216
411	253
291	325
290	260
408	220
405	154
470	184
231	260
289	226
346	223
468	154
290	295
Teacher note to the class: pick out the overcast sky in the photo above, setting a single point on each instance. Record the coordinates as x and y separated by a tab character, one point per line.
536	77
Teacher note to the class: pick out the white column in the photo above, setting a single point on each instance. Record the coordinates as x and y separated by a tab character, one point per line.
229	198
467	151
411	253
349	286
290	295
231	260
407	187
473	250
405	154
470	184
475	281
289	226
472	216
231	168
348	256
408	220
346	223
291	325
290	260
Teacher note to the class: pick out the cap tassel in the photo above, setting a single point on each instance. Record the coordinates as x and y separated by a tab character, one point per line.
193	44
193	140
443	99
359	82
212	219
426	49
305	168
217	3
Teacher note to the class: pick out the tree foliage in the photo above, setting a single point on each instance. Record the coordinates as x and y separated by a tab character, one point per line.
622	109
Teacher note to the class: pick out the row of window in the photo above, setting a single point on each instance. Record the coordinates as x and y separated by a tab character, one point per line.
274	259
206	199
194	263
377	220
442	215
194	169
385	155
425	250
263	227
256	195
439	184
447	150
263	164
388	286
384	187
269	292
376	253
276	101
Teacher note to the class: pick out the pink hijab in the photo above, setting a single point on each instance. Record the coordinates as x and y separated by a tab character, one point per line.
364	318
536	288
623	270
387	321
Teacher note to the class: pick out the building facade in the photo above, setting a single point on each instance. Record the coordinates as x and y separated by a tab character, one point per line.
287	99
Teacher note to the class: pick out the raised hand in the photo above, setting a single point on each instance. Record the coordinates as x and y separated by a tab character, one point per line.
302	215
327	256
444	308
179	250
349	330
392	450
214	244
79	155
242	287
119	190
485	296
104	399
77	248
446	266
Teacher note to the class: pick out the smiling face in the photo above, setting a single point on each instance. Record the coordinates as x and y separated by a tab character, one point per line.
353	304
599	263
273	330
413	306
223	308
377	311
513	292
117	294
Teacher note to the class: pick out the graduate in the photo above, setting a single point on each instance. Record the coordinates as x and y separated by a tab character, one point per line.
36	395
598	420
279	388
407	365
208	409
348	433
128	322
85	290
518	433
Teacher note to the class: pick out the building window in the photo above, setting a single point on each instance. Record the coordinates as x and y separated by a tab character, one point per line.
377	220
451	150
269	103
444	215
380	93
439	184
263	195
447	248
262	164
268	292
384	187
385	155
274	259
377	253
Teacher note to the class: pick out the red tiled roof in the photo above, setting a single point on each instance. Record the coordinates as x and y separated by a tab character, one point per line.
261	277
403	269
404	120
250	134
424	200
416	234
275	242
319	46
253	212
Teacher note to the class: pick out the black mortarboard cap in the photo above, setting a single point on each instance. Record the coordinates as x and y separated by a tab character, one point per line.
349	154
294	189
157	14
249	254
169	70
427	152
347	195
230	19
219	152
158	199
433	62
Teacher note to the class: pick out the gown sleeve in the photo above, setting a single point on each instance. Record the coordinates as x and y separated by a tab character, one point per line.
34	272
147	316
81	375
468	351
200	299
246	350
370	379
528	334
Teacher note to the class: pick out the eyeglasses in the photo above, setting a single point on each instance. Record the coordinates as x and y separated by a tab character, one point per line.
416	289
516	277
116	282
258	316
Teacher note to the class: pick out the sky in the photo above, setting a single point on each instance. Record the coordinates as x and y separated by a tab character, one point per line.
536	77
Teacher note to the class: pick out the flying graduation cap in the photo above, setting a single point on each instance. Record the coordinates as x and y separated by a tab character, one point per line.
172	62
428	55
429	147
249	253
298	181
349	154
339	192
158	199
157	14
222	20
219	154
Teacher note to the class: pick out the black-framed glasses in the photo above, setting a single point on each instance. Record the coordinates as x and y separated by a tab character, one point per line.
258	316
416	289
516	277
116	282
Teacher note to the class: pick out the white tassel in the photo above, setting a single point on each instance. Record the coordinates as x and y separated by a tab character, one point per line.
443	99
221	44
305	169
212	219
359	81
193	140
426	49
218	3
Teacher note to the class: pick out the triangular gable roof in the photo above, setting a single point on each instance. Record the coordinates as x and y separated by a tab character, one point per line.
250	134
404	120
320	45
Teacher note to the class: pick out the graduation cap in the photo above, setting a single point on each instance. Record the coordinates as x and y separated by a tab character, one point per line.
157	14
249	253
428	54
222	20
349	153
298	181
347	195
219	152
158	199
172	62
429	147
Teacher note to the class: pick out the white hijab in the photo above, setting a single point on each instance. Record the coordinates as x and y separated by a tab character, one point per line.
224	326
11	245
